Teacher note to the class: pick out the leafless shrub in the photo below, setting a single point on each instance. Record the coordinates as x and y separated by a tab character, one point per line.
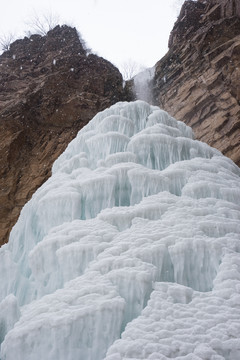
42	23
6	40
130	68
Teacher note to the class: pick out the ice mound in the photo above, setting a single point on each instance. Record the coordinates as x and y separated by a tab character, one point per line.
131	250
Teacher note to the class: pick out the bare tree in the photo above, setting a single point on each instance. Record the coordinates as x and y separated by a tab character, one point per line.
130	68
42	23
6	40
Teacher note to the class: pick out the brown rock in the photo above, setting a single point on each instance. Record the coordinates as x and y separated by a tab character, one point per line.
198	81
49	89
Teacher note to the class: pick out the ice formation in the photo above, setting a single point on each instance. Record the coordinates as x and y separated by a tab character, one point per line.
142	84
131	250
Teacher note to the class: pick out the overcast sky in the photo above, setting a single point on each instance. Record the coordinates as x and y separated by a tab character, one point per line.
115	29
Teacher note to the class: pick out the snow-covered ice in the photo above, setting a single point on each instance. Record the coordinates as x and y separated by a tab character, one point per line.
131	250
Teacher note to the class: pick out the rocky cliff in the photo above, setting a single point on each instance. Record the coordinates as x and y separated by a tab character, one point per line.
198	81
49	89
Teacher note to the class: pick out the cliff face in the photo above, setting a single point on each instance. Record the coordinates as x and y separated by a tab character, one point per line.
198	81
49	89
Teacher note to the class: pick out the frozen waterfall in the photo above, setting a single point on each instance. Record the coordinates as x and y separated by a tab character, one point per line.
131	250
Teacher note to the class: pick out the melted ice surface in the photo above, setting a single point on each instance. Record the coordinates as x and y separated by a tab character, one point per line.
131	250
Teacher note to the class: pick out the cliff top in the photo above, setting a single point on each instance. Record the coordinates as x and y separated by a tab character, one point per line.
195	16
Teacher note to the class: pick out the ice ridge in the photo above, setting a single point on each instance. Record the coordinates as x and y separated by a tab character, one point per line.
131	250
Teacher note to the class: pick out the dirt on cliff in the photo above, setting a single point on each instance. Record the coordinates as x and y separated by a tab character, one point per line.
198	81
49	89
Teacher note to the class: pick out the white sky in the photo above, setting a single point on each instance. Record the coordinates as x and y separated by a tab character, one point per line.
118	30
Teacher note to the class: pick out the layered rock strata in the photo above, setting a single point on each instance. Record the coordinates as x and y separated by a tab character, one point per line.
49	89
198	81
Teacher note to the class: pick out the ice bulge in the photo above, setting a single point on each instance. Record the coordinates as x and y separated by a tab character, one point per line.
131	250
